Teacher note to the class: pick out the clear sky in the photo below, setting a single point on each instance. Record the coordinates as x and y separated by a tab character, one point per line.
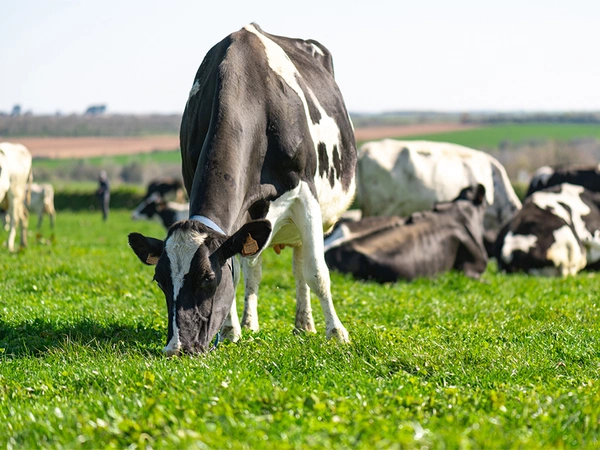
141	56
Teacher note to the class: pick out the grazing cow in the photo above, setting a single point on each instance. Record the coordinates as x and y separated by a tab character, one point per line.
546	176
15	173
398	178
268	156
167	212
388	249
556	233
42	202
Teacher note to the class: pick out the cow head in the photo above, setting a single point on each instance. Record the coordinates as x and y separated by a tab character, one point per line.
194	270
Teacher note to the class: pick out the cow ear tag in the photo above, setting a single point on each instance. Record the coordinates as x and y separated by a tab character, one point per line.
152	260
250	246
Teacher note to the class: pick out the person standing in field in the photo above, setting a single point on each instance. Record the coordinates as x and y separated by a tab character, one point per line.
103	194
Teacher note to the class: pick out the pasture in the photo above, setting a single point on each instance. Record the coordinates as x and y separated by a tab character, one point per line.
510	362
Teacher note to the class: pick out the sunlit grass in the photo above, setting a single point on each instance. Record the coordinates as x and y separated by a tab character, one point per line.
510	362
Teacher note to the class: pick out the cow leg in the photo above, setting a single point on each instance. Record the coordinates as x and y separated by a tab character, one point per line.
304	317
12	228
316	274
231	329
252	277
23	225
39	224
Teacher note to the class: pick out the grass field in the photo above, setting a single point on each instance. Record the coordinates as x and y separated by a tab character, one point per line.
491	137
511	362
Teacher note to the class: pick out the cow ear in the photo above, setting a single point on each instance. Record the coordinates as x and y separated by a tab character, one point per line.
147	249
248	240
479	195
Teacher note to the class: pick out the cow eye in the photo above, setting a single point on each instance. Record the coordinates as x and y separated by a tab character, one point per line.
208	278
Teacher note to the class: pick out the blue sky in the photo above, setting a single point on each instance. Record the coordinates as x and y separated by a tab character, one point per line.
141	56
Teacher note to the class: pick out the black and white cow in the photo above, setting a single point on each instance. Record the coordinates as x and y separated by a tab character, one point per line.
156	207
167	188
556	233
268	156
388	249
546	176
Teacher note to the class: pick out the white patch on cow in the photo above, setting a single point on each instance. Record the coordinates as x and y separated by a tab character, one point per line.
542	175
340	235
592	246
180	248
569	195
566	253
515	242
195	89
317	50
325	132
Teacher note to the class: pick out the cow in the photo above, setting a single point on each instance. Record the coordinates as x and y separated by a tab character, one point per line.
387	249
398	178
546	176
15	174
268	159
156	207
167	188
556	233
42	202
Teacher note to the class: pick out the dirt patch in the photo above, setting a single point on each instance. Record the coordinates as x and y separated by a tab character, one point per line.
365	134
82	147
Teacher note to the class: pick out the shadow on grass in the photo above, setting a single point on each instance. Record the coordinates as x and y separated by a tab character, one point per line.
40	337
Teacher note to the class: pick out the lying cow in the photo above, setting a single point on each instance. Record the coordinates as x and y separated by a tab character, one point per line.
167	188
167	212
268	159
398	178
557	233
388	249
546	176
15	174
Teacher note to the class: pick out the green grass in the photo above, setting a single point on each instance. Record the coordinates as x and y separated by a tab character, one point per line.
158	157
512	362
490	137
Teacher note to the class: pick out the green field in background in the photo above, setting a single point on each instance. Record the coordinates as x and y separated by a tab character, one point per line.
492	137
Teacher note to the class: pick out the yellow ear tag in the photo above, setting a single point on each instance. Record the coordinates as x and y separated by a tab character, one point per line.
250	246
152	260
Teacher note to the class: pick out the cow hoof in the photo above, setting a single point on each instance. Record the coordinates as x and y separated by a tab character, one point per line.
339	334
250	324
230	334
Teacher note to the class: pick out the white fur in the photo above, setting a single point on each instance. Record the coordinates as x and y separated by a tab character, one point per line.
566	253
180	248
569	195
514	242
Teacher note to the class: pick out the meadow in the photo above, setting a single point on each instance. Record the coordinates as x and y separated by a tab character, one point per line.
509	362
486	138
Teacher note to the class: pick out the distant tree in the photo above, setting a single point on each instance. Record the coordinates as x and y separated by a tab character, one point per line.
16	111
95	110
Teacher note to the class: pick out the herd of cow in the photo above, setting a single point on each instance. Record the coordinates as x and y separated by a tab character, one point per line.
269	160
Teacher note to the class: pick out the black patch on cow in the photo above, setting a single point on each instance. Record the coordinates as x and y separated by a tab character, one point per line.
323	159
588	177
